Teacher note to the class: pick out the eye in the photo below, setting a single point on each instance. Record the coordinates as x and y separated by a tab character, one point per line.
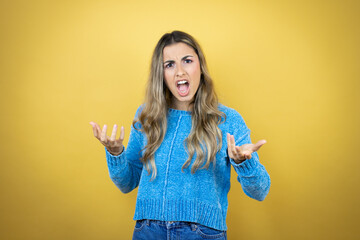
188	61
169	65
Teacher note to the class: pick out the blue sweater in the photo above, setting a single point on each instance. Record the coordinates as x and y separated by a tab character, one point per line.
181	196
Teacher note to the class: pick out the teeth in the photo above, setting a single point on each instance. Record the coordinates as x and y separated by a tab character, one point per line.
182	82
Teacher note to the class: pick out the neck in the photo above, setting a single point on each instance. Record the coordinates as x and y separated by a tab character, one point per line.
185	106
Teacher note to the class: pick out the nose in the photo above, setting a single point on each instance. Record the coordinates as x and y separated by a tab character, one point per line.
179	71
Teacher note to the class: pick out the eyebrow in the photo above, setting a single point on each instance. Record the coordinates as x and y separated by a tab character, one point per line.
171	61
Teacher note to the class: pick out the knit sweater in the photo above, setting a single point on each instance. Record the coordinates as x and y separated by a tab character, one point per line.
182	196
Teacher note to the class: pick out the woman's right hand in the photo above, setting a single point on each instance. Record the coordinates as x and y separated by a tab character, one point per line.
113	145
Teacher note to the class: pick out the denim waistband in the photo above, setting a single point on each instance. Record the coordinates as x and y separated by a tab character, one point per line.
168	223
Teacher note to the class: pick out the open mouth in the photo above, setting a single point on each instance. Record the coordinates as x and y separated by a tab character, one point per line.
183	87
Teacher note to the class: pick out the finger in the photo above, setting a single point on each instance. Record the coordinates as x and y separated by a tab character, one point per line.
94	129
258	145
233	144
113	134
233	148
103	137
241	155
247	155
97	128
122	134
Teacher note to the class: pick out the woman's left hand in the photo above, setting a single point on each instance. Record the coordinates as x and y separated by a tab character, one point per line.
243	152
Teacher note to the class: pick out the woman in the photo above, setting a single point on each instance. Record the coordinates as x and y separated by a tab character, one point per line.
181	148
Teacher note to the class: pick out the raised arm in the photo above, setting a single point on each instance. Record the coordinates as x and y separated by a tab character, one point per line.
252	175
124	165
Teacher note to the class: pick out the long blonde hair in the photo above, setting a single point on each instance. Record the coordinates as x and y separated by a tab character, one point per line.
205	137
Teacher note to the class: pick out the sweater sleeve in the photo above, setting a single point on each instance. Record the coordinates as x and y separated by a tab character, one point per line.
125	169
252	175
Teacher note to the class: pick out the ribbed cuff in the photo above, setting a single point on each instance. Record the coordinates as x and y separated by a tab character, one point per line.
114	160
246	167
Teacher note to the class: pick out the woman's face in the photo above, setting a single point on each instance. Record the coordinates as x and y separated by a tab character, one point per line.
181	73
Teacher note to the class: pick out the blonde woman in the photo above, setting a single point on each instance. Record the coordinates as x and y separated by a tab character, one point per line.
182	145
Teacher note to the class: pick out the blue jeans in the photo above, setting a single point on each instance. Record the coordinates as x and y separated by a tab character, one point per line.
158	230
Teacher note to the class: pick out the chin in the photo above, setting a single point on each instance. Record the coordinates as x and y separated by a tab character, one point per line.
185	99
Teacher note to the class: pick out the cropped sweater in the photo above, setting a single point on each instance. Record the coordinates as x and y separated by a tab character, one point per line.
176	195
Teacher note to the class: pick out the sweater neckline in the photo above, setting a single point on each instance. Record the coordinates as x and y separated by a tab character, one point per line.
176	112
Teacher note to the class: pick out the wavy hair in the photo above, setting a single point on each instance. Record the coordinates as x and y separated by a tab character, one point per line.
205	138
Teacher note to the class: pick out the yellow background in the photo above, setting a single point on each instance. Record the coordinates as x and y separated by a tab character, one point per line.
291	68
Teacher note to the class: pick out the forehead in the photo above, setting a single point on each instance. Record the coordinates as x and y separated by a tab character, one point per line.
177	51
